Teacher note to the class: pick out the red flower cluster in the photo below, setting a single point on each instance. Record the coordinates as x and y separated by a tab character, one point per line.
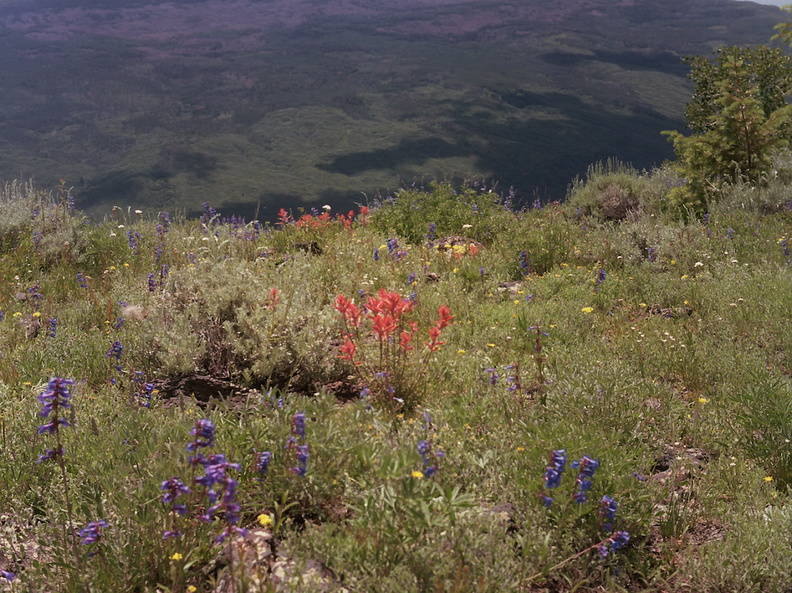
323	220
385	312
443	321
274	299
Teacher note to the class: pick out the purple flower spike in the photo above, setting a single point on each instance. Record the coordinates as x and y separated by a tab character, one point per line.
263	460
302	453
50	454
555	468
115	351
203	431
53	400
607	510
616	541
92	532
173	488
298	424
586	468
172	534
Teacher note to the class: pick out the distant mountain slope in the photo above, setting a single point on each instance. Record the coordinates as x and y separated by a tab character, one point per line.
289	102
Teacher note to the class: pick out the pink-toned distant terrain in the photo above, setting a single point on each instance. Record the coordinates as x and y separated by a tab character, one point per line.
168	21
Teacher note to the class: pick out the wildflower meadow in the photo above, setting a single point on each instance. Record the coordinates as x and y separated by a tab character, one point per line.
435	391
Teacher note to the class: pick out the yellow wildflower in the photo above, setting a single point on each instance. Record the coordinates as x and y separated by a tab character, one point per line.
191	589
768	478
37	314
703	400
587	310
417	474
176	556
264	520
460	351
521	448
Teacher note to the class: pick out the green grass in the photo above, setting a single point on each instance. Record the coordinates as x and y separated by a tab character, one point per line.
673	371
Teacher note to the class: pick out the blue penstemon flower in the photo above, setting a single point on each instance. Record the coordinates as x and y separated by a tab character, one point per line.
54	400
553	472
586	468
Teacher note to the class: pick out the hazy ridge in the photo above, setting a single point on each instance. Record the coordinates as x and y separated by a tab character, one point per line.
164	105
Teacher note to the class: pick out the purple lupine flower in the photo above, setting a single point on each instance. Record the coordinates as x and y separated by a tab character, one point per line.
53	327
555	468
92	533
7	575
393	244
53	400
263	460
616	541
493	376
50	454
152	282
607	511
428	457
375	254
209	215
34	294
174	488
82	280
513	380
537	204
216	474
115	350
119	322
430	236
215	467
599	280
159	249
411	278
298	424
203	431
546	500
586	468
145	395
302	453
525	266
427	425
133	238
170	534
